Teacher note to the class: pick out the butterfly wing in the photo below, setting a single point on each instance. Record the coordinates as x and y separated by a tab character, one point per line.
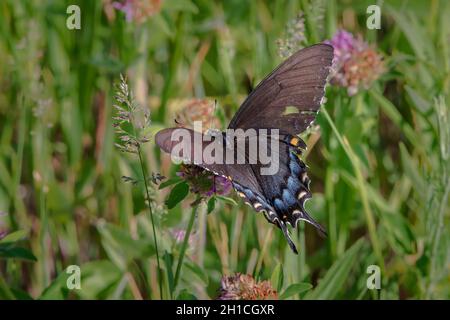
286	192
241	174
290	96
288	99
280	196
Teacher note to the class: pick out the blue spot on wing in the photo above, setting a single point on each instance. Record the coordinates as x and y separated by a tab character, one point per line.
249	193
279	205
294	165
293	184
288	198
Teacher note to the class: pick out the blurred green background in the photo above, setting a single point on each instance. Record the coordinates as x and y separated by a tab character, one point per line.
379	164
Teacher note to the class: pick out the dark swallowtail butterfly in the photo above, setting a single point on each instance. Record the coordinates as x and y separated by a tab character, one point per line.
298	85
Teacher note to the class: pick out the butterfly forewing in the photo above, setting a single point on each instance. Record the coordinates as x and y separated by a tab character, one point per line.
299	83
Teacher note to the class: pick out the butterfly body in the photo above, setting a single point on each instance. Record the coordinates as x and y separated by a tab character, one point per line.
283	105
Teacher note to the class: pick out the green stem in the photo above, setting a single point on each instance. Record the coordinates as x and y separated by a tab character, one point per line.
176	57
302	253
144	174
263	253
313	38
43	214
5	292
184	246
362	189
436	240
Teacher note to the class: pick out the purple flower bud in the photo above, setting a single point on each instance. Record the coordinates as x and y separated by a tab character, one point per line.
355	65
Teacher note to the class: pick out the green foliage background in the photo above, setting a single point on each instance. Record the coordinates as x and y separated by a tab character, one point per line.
379	164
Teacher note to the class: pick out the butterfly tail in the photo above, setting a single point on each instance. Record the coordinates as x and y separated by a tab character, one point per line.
283	227
306	217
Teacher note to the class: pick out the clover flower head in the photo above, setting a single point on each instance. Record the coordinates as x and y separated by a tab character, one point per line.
179	234
203	182
245	287
356	65
138	10
198	110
